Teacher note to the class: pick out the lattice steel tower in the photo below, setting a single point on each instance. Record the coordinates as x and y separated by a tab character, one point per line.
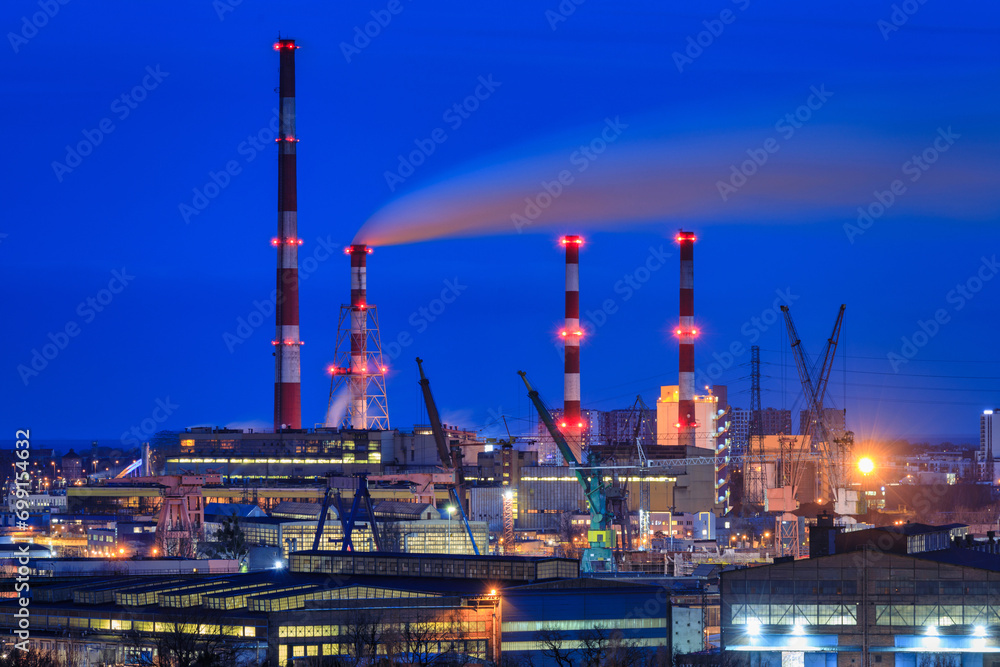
358	371
755	477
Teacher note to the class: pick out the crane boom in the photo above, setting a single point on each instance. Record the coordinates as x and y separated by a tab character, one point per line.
600	536
449	458
814	392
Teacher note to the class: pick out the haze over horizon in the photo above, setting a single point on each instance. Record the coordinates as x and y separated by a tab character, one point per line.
160	282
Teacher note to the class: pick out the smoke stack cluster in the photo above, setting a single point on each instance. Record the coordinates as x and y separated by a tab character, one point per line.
686	333
287	373
359	336
572	421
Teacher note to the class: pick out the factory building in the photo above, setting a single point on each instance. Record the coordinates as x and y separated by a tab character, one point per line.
239	455
989	433
863	608
413	535
706	413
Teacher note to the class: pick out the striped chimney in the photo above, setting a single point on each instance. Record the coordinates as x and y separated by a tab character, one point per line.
359	336
571	424
686	333
287	380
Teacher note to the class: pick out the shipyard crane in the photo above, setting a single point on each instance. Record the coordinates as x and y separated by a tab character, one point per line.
814	393
598	556
347	520
450	457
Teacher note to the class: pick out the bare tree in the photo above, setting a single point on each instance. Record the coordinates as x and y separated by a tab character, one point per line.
31	658
362	638
552	643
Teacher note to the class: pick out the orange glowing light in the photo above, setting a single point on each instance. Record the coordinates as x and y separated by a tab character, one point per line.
384	369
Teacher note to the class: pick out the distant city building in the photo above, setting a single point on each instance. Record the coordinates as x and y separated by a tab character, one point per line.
72	466
776	422
619	426
836	421
988	428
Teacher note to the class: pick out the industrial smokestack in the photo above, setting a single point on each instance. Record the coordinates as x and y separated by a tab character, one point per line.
686	333
287	375
359	336
571	423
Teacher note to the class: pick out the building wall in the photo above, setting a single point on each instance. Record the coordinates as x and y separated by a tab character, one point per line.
567	614
705	411
895	608
486	505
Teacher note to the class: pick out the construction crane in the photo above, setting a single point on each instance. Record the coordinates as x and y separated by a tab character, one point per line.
598	556
451	458
814	392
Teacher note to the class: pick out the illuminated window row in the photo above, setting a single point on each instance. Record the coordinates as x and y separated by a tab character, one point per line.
795	614
55	622
422	629
575	644
616	623
473	648
934	614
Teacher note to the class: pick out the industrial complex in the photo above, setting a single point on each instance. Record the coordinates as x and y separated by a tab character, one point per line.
688	532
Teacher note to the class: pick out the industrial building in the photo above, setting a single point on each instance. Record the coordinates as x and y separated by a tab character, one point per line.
989	430
865	607
324	603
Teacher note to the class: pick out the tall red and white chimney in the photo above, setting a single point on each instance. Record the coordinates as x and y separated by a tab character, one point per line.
287	375
359	336
571	424
686	333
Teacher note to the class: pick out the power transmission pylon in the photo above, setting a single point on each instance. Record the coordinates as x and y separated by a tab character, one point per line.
755	476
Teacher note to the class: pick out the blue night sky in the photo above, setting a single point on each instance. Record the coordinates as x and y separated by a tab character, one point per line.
891	86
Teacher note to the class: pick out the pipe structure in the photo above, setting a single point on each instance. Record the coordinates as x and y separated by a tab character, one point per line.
287	371
571	424
359	336
686	333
